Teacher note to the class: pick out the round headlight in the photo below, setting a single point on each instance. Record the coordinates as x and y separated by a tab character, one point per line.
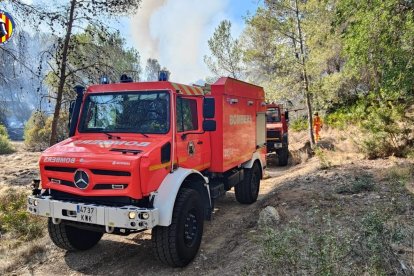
35	202
132	215
144	215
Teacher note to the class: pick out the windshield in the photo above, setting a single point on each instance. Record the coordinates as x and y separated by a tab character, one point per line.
141	112
272	115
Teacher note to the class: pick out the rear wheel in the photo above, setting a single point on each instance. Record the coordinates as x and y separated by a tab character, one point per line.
71	238
248	190
283	155
177	245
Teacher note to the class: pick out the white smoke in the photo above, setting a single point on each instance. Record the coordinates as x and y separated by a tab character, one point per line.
176	32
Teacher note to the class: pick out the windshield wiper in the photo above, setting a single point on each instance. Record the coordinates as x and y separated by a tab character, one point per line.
110	136
143	134
130	130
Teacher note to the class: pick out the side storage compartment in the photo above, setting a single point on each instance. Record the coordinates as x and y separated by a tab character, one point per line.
240	123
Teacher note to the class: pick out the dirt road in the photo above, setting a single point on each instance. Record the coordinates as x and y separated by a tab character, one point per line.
225	239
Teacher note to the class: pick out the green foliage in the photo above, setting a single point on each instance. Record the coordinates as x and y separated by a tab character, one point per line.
386	128
226	54
35	135
37	130
378	38
298	125
5	145
15	220
3	131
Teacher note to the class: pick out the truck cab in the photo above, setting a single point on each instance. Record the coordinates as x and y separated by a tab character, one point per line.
151	155
277	132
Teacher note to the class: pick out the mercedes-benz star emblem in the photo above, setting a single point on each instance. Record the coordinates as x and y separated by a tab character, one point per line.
81	179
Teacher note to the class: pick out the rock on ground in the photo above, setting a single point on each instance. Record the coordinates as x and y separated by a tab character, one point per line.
268	216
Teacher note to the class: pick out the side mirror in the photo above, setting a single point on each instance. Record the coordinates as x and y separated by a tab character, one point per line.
287	116
71	107
209	108
209	125
74	109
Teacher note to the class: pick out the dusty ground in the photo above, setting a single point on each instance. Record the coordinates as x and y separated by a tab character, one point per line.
229	244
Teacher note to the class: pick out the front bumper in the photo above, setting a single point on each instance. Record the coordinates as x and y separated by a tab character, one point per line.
126	217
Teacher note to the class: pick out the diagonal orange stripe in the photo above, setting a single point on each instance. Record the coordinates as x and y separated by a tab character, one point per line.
176	87
198	90
185	89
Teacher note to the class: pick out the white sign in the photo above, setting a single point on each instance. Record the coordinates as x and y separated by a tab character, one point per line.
112	143
240	119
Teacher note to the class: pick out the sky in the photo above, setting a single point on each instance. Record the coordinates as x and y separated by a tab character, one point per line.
176	32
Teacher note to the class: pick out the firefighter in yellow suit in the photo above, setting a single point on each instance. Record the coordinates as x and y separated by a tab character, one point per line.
317	125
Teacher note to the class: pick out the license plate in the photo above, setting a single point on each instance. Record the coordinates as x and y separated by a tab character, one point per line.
86	214
278	145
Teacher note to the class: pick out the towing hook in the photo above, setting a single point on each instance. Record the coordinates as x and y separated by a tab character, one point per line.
109	229
56	220
35	186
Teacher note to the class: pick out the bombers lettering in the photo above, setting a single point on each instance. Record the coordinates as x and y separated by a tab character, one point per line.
240	119
117	143
67	160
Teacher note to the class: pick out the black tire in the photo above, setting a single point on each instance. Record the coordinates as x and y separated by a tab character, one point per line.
247	191
71	238
283	156
177	245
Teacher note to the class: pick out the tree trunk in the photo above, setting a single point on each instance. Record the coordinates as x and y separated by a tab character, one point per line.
62	73
305	77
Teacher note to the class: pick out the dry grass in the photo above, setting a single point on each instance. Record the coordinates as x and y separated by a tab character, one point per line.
336	147
24	255
20	233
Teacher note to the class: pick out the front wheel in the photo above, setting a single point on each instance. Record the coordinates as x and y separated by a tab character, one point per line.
71	238
177	245
247	191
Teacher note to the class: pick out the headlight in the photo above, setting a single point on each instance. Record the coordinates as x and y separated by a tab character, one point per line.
132	215
35	202
30	200
144	215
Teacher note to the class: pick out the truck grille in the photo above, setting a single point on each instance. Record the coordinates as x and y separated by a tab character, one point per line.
102	179
110	186
94	171
274	134
62	182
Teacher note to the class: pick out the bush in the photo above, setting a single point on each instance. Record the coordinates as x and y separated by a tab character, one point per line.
340	119
15	220
38	129
3	131
385	127
299	124
5	146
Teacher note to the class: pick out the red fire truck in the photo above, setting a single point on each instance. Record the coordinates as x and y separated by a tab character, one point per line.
277	132
151	155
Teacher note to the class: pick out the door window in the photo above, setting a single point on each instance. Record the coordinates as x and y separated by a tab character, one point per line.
187	118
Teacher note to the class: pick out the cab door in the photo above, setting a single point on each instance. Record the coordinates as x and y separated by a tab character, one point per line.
189	137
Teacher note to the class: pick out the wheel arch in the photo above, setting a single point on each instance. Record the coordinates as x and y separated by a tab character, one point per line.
164	198
255	159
